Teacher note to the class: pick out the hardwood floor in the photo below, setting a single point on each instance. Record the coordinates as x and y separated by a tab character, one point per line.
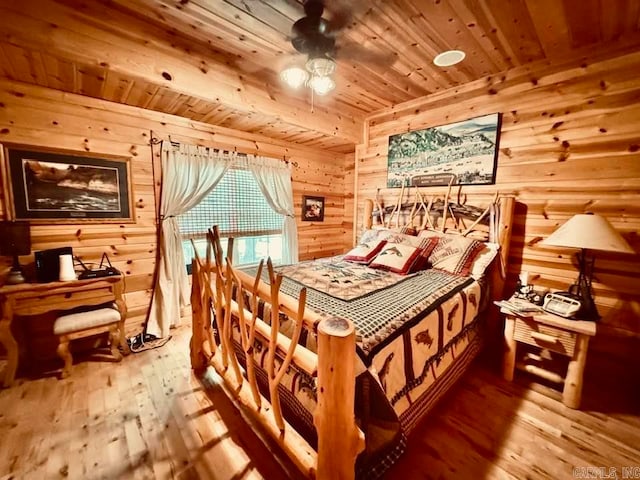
149	417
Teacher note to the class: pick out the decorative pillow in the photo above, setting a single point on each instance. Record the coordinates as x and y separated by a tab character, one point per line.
429	234
365	252
484	259
395	237
396	257
426	248
406	230
378	232
455	254
370	235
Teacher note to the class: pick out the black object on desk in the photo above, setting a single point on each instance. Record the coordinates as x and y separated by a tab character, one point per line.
48	263
104	270
15	239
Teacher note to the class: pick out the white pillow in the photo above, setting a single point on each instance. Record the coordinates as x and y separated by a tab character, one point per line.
484	259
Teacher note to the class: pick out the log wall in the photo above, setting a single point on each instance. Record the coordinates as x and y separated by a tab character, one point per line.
570	143
43	117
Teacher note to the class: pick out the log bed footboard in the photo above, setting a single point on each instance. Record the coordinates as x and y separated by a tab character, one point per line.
339	439
334	365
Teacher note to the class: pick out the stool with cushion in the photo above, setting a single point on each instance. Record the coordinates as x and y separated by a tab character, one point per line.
84	324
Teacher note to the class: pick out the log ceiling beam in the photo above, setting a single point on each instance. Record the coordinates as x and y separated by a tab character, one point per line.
130	47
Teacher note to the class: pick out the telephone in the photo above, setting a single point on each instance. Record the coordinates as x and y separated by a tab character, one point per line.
565	304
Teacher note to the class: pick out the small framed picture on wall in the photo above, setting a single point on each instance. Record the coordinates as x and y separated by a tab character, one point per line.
312	209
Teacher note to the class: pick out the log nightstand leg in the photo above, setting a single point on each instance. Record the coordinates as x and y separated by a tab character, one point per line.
509	360
572	393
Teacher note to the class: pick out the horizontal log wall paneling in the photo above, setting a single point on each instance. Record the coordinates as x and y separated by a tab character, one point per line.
43	117
570	143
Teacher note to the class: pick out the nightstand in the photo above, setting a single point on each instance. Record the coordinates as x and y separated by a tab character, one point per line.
557	334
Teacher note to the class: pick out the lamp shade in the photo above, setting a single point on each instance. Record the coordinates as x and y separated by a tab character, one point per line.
15	238
588	231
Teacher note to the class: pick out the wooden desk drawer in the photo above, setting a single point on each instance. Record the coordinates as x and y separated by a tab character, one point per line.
545	336
37	304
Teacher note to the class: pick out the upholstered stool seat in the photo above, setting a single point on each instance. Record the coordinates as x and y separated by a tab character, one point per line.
84	324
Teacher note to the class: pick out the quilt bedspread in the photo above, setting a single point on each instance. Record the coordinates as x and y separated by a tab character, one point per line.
403	329
409	331
339	278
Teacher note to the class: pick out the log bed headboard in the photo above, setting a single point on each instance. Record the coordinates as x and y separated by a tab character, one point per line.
490	223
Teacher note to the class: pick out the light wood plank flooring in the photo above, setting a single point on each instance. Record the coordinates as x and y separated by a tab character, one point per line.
149	417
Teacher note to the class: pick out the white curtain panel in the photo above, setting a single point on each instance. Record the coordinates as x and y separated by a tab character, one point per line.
189	173
274	179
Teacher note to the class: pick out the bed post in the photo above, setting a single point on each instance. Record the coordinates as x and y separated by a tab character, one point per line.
195	345
368	214
339	438
498	272
507	207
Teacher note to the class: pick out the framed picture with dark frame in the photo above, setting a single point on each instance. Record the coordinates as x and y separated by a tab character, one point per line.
312	209
46	186
460	153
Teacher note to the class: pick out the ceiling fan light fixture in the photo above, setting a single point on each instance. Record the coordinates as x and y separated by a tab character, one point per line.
294	76
321	66
322	85
449	58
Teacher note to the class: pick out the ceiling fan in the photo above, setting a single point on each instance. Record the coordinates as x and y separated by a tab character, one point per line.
319	38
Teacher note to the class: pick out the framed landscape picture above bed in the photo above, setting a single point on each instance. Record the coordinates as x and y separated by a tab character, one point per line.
46	186
466	152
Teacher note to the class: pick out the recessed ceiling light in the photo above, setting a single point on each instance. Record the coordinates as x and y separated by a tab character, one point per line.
448	58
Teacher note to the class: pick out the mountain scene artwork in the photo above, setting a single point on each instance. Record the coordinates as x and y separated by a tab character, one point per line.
463	151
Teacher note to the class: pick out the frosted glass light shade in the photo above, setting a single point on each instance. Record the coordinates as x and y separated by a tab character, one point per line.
588	231
294	76
321	66
449	58
322	85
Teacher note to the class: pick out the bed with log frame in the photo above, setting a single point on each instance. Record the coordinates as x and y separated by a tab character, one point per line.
312	376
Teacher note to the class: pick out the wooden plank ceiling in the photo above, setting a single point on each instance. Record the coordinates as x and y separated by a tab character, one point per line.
218	61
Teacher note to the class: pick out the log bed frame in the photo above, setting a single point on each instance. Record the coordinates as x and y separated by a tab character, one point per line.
339	438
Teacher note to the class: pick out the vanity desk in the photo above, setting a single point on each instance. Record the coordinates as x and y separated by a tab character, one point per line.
38	298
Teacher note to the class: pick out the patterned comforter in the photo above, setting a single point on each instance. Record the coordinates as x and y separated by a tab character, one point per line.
409	332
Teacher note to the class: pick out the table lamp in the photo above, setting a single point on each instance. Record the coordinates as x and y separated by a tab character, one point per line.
587	232
15	239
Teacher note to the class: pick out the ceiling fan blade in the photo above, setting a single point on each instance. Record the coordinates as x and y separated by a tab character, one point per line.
359	53
341	17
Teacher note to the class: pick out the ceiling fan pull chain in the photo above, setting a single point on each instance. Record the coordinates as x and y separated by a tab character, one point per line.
312	96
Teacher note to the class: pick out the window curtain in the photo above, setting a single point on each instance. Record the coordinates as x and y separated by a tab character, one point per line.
274	179
189	173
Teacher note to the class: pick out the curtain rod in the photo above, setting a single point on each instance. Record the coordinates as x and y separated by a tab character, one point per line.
156	141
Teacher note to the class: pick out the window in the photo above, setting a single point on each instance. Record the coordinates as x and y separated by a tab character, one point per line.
239	209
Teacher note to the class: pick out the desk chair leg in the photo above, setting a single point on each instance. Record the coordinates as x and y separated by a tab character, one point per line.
122	340
65	355
114	341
